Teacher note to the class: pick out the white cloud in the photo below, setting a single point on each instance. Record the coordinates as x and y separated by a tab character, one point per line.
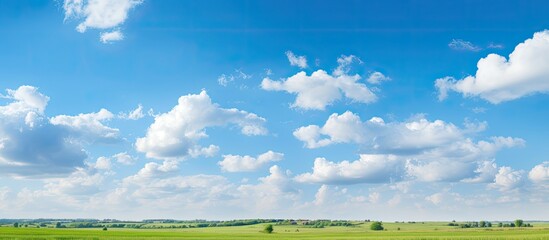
29	144
412	135
237	163
540	173
495	46
273	191
103	163
25	99
377	78
462	160
428	151
225	79
374	197
135	114
435	198
499	79
124	158
508	179
321	89
109	37
321	195
175	133
368	169
300	61
486	171
462	45
89	126
100	14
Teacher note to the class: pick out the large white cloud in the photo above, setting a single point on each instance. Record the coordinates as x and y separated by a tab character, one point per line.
29	144
409	136
428	151
175	134
499	79
321	89
33	145
367	169
100	14
237	163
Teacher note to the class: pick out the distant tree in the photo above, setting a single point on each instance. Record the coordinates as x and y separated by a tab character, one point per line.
512	225
488	224
500	224
58	225
268	228
16	224
519	222
104	228
376	226
482	224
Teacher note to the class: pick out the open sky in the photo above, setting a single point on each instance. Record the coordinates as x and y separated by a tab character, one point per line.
390	110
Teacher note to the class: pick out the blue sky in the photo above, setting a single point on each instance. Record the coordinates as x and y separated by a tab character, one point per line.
391	110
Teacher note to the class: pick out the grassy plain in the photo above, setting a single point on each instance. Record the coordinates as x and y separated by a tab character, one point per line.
416	231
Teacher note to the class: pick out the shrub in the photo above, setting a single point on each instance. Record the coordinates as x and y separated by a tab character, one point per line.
268	228
376	226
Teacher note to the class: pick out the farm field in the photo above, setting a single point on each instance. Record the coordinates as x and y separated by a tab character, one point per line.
428	230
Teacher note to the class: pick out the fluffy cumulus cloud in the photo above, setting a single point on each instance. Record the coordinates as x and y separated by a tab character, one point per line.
377	78
135	114
368	169
175	134
299	61
418	149
320	89
29	144
499	79
273	191
100	14
237	163
89	126
540	173
508	179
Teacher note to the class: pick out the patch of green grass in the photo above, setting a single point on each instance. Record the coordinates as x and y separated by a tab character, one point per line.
409	231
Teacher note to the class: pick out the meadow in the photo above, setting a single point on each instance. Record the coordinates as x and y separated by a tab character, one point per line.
360	230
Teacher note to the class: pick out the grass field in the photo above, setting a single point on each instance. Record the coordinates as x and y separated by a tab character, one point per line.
429	230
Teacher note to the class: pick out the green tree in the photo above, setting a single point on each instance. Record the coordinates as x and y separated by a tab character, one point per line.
482	224
500	224
104	228
376	226
16	224
58	225
519	223
268	229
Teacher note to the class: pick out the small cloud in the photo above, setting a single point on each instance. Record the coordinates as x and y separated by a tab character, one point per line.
134	114
377	78
300	61
479	110
109	37
462	45
495	46
225	79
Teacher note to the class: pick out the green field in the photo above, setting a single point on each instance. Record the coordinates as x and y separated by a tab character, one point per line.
428	230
